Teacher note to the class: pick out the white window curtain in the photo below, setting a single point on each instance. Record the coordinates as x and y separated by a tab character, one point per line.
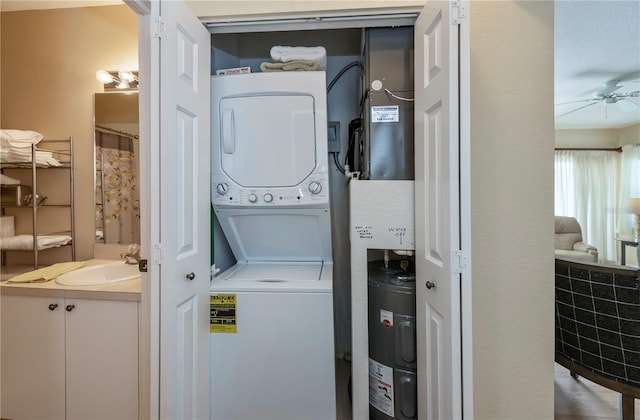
586	185
629	185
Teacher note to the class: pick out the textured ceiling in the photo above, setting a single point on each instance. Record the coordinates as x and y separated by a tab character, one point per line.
595	42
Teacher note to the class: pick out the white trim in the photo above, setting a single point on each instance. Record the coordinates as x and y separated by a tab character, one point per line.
466	314
312	23
141	7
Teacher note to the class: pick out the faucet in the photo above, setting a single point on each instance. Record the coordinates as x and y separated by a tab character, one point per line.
132	255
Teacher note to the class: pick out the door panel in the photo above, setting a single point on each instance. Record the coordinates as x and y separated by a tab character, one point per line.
437	214
184	210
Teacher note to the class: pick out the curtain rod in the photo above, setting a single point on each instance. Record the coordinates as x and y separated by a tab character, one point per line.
595	149
114	131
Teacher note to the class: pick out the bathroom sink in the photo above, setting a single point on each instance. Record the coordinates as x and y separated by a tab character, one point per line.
100	274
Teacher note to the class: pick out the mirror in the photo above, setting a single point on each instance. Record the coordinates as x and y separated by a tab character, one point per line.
116	173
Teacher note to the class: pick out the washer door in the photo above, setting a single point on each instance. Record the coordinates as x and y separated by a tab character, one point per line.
259	133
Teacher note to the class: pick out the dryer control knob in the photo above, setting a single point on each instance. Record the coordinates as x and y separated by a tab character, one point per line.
253	198
222	188
315	187
268	198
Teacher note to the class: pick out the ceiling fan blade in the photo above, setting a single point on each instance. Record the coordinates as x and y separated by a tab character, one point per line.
635	94
626	105
575	102
608	87
574	110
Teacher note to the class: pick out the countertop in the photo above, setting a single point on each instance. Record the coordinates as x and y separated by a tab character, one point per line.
125	290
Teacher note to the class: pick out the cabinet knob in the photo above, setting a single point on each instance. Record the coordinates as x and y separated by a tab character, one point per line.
53	306
191	276
69	308
430	285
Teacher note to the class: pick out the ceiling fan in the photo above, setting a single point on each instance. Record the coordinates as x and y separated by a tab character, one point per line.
607	95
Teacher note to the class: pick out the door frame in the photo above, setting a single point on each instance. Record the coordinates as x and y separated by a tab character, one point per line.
149	313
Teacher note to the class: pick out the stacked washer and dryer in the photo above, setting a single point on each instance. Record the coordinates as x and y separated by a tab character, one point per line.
272	341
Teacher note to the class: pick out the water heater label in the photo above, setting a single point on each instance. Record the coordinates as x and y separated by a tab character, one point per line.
386	318
381	387
389	113
222	318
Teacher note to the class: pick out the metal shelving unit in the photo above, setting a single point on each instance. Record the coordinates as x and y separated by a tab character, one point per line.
63	151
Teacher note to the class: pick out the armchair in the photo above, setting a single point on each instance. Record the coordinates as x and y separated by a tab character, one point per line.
569	243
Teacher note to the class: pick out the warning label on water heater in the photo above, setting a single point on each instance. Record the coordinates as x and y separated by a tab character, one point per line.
381	387
222	318
388	113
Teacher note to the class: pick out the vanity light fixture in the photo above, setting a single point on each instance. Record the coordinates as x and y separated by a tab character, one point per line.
120	80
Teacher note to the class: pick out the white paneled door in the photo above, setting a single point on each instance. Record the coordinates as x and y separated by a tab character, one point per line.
437	212
183	250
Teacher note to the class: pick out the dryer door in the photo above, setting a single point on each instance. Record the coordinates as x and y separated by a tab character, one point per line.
260	133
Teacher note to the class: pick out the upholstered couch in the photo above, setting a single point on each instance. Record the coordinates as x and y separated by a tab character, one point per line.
569	243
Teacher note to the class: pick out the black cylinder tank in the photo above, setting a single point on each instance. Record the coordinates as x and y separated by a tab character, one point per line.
392	341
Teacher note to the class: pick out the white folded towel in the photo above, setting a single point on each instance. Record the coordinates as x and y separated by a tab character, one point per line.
19	138
7	180
284	54
297	65
43	157
25	242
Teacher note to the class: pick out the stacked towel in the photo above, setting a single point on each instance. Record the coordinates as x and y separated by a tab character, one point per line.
282	54
7	180
299	65
16	146
19	138
296	59
21	154
25	242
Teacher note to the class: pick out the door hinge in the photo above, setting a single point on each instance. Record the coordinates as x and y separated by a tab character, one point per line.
458	11
157	254
157	27
459	261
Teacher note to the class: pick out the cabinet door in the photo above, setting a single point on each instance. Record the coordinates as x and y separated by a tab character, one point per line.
102	359
32	357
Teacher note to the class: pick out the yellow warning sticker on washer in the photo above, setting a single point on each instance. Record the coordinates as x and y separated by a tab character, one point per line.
223	313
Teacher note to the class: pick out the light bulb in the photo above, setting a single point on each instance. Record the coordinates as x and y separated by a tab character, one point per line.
127	76
104	77
123	85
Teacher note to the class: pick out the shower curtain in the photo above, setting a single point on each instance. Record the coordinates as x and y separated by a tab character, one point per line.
117	201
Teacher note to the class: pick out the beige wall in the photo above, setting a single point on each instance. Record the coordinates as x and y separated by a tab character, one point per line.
48	63
512	185
512	131
600	138
629	135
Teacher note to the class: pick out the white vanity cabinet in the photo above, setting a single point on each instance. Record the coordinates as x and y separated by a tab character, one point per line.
69	358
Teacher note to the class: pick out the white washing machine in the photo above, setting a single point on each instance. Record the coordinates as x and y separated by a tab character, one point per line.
272	343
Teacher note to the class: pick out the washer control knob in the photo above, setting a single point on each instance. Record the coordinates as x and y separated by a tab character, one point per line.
253	198
222	188
268	198
315	187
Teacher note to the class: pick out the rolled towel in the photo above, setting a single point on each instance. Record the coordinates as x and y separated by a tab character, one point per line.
299	65
19	138
283	54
